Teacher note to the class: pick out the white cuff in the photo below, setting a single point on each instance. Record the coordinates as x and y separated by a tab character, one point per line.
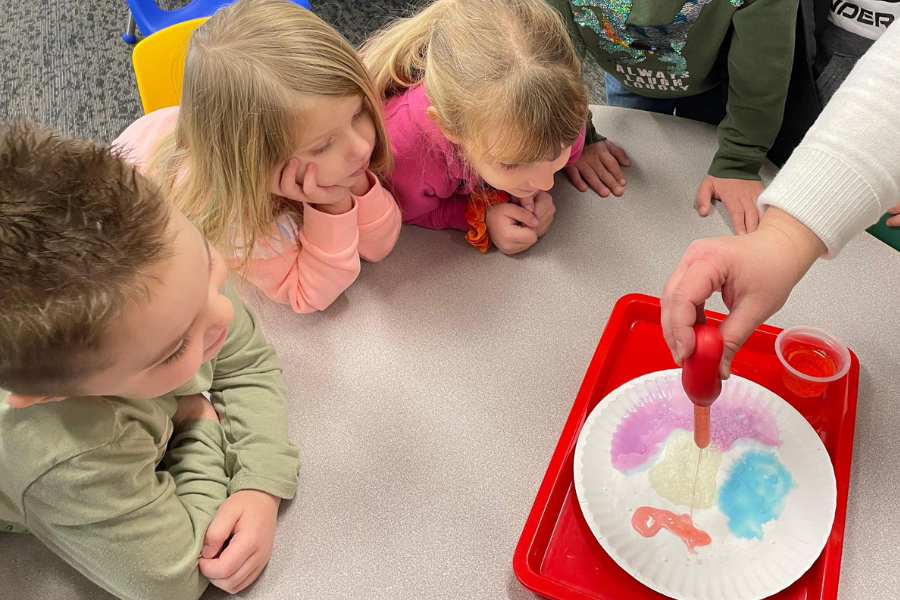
825	194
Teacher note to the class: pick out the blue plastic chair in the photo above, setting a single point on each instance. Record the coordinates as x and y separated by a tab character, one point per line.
150	18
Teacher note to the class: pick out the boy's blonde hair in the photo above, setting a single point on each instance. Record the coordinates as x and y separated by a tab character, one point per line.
501	75
80	235
249	74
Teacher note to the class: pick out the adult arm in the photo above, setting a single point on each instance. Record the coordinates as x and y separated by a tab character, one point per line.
841	178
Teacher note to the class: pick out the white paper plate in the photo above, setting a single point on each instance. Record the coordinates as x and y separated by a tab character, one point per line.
730	567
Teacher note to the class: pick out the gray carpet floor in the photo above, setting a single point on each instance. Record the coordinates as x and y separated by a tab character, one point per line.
63	62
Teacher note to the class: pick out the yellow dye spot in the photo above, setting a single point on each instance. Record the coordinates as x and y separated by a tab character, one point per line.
673	476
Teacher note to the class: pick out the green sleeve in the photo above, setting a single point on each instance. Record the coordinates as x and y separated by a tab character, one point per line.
591	136
759	71
250	397
132	530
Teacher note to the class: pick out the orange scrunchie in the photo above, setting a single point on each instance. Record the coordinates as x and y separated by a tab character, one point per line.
479	201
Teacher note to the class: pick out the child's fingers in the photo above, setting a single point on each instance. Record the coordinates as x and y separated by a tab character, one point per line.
522	215
527	203
894	221
619	154
240	578
542	201
239	550
704	197
590	176
613	178
253	576
575	178
521	238
515	239
751	216
546	220
310	188
220	529
275	183
607	177
736	210
543	206
288	184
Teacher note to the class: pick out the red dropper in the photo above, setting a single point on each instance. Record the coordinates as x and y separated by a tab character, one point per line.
700	378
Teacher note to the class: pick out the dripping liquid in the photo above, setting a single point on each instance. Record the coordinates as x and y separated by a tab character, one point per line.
696	477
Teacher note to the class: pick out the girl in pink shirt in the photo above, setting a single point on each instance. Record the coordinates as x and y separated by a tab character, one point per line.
275	151
485	102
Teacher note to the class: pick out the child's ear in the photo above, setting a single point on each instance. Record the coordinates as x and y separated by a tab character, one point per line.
434	116
23	400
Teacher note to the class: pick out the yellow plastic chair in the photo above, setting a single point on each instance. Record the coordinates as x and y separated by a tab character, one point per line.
159	64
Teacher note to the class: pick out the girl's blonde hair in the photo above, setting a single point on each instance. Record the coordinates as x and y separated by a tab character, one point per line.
248	78
501	75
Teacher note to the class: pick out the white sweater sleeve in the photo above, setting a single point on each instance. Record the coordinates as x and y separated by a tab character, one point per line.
846	172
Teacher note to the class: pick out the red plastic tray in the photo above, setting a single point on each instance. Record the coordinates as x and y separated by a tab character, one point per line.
558	556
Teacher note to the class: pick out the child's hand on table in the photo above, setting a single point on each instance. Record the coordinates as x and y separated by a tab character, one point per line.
895	220
248	518
739	197
598	167
334	200
511	227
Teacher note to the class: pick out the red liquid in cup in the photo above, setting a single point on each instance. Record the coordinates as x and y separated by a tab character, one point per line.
812	358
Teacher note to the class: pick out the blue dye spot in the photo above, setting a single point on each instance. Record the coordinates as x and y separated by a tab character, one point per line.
754	493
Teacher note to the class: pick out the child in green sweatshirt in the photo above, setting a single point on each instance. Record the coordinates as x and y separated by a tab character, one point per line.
115	319
726	62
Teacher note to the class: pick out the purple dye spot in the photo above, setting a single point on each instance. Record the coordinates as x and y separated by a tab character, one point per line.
641	433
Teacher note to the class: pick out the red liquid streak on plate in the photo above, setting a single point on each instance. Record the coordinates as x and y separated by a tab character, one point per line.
647	521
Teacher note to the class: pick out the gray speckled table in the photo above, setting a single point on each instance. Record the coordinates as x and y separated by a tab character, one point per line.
428	399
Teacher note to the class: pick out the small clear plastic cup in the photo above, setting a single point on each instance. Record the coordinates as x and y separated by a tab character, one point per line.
812	359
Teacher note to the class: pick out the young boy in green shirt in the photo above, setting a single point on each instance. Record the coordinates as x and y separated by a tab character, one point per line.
115	317
726	62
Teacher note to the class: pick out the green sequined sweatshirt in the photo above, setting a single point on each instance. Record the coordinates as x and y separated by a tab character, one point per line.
678	48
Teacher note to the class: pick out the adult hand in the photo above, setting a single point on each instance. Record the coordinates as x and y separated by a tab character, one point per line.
895	220
247	521
755	274
511	227
598	167
333	199
739	197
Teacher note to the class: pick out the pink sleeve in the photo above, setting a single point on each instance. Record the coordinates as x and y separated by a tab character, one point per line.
444	213
312	275
420	180
421	203
137	142
379	220
577	147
